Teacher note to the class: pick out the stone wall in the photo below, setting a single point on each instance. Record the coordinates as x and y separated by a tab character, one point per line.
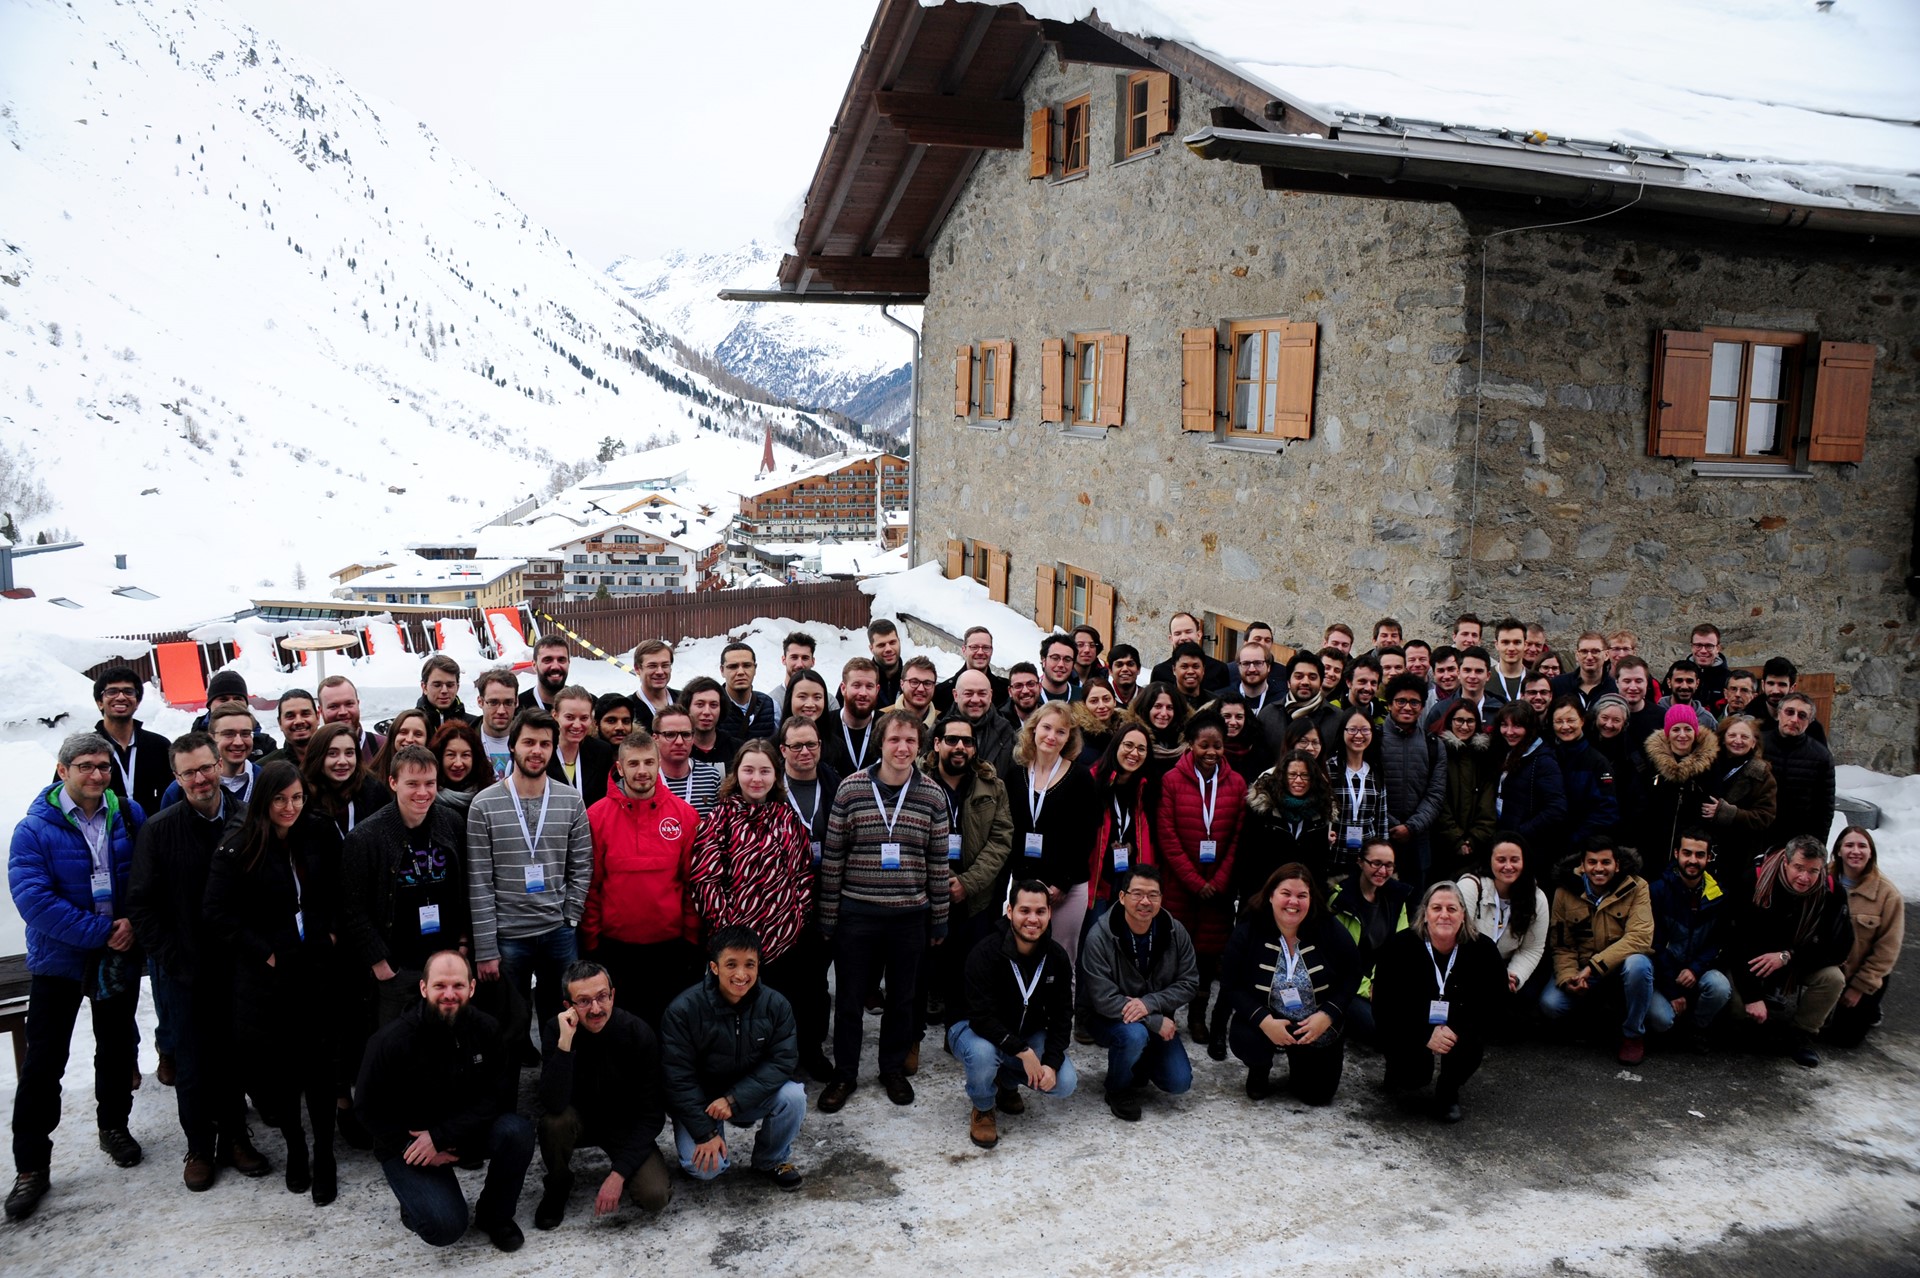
1578	526
1342	525
1570	520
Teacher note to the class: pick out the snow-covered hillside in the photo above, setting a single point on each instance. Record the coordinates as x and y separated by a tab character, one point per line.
847	358
247	315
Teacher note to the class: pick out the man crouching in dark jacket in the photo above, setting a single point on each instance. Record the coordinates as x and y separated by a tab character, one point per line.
1019	1014
1787	947
437	1086
728	1048
600	1086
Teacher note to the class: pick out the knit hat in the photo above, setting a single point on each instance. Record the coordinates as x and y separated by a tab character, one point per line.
1681	714
1609	700
226	683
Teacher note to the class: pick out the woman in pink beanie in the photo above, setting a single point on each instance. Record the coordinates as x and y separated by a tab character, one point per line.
1674	783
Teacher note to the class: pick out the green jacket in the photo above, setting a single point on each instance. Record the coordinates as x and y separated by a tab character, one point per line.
986	834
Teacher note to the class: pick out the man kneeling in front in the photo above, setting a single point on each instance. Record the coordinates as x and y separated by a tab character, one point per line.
600	1086
729	1048
438	1084
1019	1014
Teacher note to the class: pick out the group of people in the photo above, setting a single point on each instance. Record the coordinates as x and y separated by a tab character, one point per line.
697	894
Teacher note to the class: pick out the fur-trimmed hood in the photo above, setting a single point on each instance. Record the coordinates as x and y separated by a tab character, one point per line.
1680	769
1265	791
1481	743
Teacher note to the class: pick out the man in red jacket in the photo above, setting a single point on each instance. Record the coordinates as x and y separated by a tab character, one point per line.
640	921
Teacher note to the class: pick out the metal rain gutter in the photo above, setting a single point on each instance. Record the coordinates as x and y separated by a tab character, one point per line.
1656	182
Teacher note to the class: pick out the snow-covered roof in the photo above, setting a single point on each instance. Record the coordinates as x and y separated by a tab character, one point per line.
1772	98
437	574
782	476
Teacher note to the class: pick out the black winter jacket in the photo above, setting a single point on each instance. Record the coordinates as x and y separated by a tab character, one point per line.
612	1080
1254	948
1756	931
450	1081
373	856
1803	773
167	893
1270	837
711	1048
993	999
1404	985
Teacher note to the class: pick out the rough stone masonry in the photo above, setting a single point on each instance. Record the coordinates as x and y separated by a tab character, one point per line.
1430	486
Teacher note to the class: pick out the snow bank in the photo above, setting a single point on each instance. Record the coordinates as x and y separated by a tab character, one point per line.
926	593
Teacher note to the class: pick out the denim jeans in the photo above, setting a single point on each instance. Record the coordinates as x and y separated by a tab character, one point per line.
1705	1001
1636	985
779	1128
166	1012
989	1068
1133	1047
543	958
430	1197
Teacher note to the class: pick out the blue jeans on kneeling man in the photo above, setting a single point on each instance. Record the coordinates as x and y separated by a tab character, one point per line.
1636	984
1136	1054
779	1127
990	1068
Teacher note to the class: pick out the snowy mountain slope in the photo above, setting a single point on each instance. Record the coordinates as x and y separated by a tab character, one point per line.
238	301
846	358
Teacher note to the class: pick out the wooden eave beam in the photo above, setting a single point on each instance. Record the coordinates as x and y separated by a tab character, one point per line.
1078	42
870	274
932	119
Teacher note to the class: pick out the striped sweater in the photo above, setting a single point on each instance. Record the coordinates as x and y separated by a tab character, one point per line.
498	857
753	866
850	869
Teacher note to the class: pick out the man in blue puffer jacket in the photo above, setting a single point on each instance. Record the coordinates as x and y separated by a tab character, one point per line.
69	869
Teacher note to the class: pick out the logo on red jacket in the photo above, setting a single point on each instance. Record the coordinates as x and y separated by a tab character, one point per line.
669	828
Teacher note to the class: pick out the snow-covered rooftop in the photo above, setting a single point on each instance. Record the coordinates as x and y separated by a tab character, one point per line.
818	466
1829	96
414	573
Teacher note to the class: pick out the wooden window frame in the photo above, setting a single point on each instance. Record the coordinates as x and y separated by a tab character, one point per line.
1215	625
1084	342
1065	615
1793	372
992	397
1144	112
1270	381
1076	132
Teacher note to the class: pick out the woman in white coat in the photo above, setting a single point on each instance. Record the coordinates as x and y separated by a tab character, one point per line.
1504	900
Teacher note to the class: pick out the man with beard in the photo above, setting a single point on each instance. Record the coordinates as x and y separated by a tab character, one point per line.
600	1088
551	662
850	741
529	858
438	1085
1303	698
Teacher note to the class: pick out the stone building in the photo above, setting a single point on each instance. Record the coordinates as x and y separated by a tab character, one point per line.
1211	346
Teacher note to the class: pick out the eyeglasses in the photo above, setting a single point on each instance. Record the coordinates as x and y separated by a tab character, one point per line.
194	774
1415	702
956	741
238	734
1794	714
676	735
499	703
919	683
1377	865
106	768
593	1000
1358	731
798	747
1140	894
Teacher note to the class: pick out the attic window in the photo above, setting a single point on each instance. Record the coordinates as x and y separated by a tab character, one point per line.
63	602
1078	115
134	592
1146	111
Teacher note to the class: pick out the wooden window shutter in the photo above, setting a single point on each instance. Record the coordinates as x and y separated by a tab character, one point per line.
1053	377
1682	375
1040	143
963	382
1002	406
1113	380
1100	610
1159	105
1198	373
1043	598
1840	400
997	576
1299	345
956	560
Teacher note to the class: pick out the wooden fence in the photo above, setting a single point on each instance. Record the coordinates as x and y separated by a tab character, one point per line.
614	624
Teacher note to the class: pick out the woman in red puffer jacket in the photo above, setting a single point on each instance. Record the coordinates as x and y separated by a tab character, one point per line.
1196	831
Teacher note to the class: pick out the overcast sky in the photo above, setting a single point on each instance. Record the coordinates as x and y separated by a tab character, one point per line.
629	127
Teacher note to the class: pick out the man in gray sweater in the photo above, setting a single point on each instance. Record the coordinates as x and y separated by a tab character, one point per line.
1137	969
529	858
1416	776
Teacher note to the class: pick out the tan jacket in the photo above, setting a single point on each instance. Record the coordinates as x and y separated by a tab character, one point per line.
1602	936
1879	924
